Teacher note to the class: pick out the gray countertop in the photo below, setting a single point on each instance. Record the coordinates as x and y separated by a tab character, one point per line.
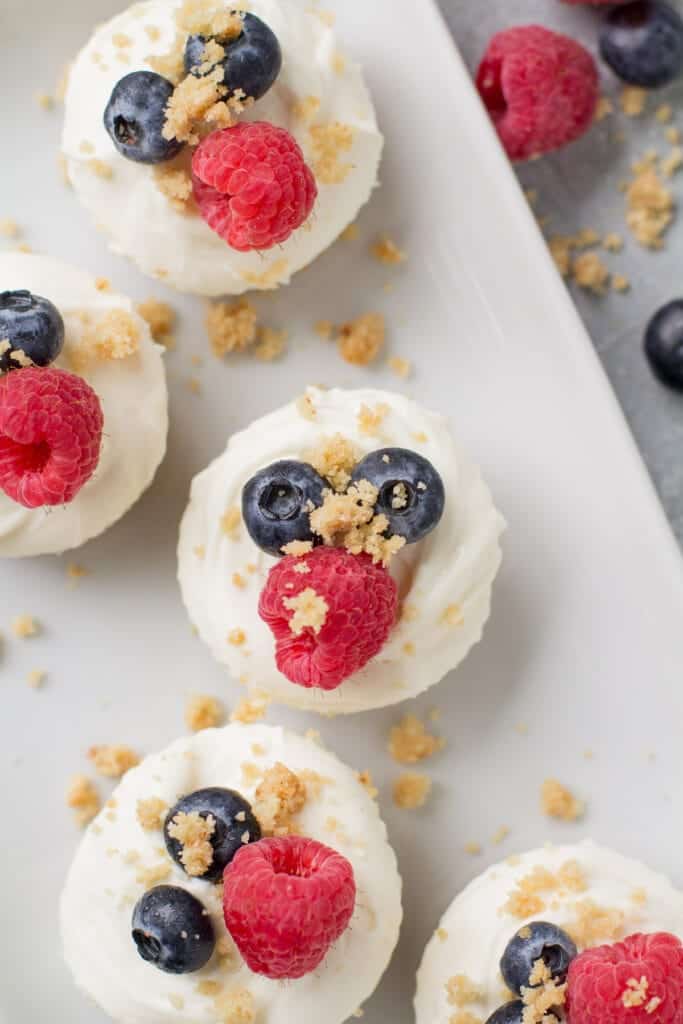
579	188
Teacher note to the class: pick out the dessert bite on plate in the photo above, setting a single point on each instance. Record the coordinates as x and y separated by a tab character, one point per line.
83	406
572	933
340	554
241	871
221	146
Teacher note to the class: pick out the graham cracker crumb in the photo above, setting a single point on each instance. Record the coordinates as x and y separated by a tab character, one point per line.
350	233
306	108
400	366
461	990
170	64
310	611
365	779
203	712
636	993
231	522
237	637
441	934
650	205
239	581
452	615
102	284
673	135
114	335
410	741
36	678
251	709
279	797
268	279
195	102
159	316
639	897
349	520
334	458
604	108
175	182
324	329
633	100
176	1001
620	283
100	168
152	32
151	812
235	1007
232	327
153	875
589	272
525	900
83	797
328	142
558	802
464	1017
672	163
297	548
207	17
594	924
338	63
542	996
270	344
500	835
112	760
45	101
613	242
121	40
411	790
361	340
194	832
473	849
306	408
24	626
9	228
370	420
386	251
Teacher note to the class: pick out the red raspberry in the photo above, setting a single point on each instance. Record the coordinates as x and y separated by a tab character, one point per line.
252	185
285	902
361	601
539	87
50	435
605	985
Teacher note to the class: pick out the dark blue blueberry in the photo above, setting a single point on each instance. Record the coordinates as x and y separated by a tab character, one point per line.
411	492
276	504
31	325
234	818
643	43
537	941
252	61
135	117
172	930
510	1013
664	344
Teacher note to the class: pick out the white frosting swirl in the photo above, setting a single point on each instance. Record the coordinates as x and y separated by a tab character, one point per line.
454	567
129	206
101	887
134	401
476	928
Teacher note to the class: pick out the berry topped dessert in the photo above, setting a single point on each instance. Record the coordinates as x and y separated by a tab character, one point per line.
243	875
573	933
222	146
82	406
340	554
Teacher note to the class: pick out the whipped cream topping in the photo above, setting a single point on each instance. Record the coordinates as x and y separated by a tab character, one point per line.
444	581
134	401
180	248
600	897
102	887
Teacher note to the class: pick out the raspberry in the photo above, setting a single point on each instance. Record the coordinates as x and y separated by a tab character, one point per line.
252	185
285	902
50	435
539	87
359	609
637	981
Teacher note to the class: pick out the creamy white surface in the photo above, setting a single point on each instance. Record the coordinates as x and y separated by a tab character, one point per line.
139	219
455	564
134	401
101	889
478	932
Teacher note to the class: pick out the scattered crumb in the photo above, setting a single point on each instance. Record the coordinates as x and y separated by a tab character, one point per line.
36	678
232	327
349	520
9	228
473	849
594	924
410	741
237	637
268	279
324	329
298	548
365	779
114	335
525	900
83	797
461	991
673	135
153	875
306	408
231	522
633	100
195	103
613	242
604	108
411	790
24	626
361	340
100	168
542	995
452	615
589	272
159	316
558	802
650	205
279	797
664	113
270	344
338	63
175	182
334	458
203	712
194	832
250	709
235	1007
310	611
386	251
151	813
370	420
400	366
328	143
112	760
306	108
620	283
350	233
672	163
500	835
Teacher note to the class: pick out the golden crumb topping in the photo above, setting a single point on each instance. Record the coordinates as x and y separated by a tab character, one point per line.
594	924
411	790
231	326
305	108
542	996
237	637
296	548
589	272
365	779
150	813
361	340
235	1007
525	899
159	316
461	990
410	741
400	366
558	802
464	1017
371	420
386	251
328	143
112	760
334	458
231	521
349	520
150	876
114	335
203	712
209	17
24	626
193	832
175	182
9	228
83	798
650	205
633	100
452	615
36	678
251	709
310	611
306	408
100	168
196	103
269	278
270	344
279	797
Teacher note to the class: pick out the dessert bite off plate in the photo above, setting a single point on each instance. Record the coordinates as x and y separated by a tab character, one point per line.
581	652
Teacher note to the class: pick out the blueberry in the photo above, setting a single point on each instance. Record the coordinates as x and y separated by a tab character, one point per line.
276	504
664	344
252	61
224	805
31	325
537	941
172	930
643	43
411	492
135	115
509	1013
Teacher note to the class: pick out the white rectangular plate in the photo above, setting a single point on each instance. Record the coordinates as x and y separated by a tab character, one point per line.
584	645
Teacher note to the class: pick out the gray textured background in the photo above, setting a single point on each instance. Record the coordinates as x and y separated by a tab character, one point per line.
578	187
